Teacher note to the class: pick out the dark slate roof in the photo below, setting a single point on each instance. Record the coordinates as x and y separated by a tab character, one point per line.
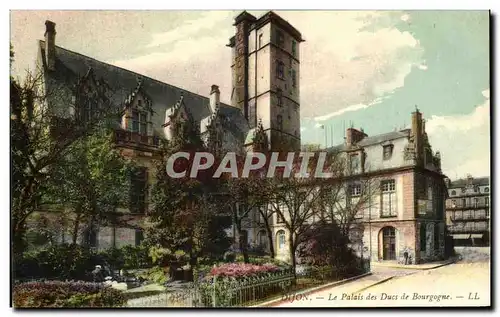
480	181
376	139
71	65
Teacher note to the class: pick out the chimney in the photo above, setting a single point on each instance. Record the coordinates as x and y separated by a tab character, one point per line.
50	44
417	135
214	97
353	136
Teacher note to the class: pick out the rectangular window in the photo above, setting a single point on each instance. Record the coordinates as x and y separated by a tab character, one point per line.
294	48
387	149
143	123
476	202
355	190
260	40
280	38
279	97
138	190
280	69
487	201
279	120
294	78
389	202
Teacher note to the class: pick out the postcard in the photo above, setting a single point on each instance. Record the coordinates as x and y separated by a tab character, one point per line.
264	159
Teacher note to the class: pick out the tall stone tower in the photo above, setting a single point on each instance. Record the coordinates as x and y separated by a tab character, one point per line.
265	72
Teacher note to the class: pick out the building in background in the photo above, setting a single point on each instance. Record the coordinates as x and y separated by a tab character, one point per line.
405	212
468	211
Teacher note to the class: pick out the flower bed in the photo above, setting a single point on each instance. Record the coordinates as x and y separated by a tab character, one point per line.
66	294
237	270
237	284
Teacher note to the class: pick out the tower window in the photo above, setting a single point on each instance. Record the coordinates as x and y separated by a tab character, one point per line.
294	48
280	38
294	78
260	40
279	120
279	97
280	69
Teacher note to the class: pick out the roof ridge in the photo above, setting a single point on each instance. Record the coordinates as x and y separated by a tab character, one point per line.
130	71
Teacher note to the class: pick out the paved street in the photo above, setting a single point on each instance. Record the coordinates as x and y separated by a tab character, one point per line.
465	283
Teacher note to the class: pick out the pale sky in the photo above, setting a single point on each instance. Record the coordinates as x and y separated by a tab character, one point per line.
366	68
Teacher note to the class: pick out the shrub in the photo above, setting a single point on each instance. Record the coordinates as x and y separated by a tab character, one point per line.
229	256
127	257
66	294
58	261
155	274
71	262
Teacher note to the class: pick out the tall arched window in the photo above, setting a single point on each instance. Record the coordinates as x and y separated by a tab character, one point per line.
280	238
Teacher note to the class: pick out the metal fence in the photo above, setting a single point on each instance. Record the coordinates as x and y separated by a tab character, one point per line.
239	292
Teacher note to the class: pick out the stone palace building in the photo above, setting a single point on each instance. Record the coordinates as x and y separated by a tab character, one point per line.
407	215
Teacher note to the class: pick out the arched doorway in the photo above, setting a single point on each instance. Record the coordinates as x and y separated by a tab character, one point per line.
388	243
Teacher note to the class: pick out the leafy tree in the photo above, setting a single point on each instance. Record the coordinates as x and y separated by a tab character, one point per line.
42	134
185	214
249	194
295	199
90	182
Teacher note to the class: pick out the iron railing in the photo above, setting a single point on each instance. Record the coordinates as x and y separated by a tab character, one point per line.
240	292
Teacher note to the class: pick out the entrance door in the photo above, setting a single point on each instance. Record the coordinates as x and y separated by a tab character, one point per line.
389	243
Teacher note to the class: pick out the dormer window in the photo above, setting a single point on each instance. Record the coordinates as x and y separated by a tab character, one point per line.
355	163
387	150
139	122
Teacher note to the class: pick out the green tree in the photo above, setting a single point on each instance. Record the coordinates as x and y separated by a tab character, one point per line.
41	137
185	214
90	182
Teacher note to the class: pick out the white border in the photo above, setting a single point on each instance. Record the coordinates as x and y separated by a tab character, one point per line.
200	5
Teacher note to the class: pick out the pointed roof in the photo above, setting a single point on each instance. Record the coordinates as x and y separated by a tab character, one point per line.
124	84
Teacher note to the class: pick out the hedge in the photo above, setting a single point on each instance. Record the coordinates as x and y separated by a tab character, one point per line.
66	294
